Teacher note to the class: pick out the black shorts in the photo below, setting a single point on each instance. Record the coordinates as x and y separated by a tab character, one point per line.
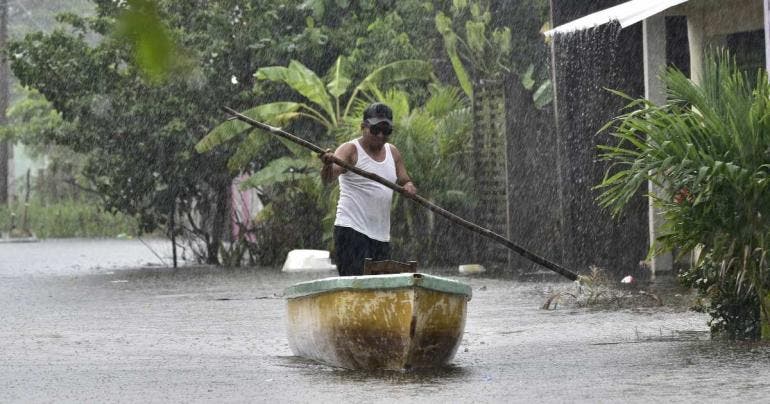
353	247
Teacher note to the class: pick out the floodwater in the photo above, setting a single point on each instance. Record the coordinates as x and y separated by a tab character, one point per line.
76	326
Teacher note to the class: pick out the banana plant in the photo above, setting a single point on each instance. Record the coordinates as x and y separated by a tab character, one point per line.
328	107
333	102
324	104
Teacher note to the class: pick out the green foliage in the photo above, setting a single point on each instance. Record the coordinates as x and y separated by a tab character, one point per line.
444	26
41	15
707	150
543	95
137	86
326	104
290	220
486	54
734	314
67	218
33	121
139	134
434	142
305	82
275	113
387	39
327	97
281	170
155	53
485	51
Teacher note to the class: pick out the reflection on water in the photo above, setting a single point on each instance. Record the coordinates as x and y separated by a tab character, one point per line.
419	376
68	256
84	330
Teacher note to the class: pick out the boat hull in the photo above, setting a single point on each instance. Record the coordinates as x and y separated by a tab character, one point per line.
405	321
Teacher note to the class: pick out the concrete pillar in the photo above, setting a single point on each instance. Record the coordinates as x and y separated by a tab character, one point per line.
697	38
654	48
766	8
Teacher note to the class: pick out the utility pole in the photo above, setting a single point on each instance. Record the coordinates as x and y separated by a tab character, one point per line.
5	147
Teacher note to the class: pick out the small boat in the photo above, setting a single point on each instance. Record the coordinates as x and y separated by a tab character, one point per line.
393	321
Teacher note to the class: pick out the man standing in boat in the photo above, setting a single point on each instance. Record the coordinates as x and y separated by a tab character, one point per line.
362	226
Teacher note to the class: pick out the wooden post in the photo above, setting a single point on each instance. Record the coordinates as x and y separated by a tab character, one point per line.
25	229
5	146
172	225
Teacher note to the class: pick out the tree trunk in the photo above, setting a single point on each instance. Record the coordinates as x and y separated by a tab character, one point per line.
219	221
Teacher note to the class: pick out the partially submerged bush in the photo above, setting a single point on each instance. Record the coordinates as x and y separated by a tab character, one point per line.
707	151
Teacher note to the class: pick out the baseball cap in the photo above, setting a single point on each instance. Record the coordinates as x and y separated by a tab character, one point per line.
377	113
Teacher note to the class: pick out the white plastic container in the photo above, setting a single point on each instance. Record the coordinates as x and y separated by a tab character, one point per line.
308	261
471	269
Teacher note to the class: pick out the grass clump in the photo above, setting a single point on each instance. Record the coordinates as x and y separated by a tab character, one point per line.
64	219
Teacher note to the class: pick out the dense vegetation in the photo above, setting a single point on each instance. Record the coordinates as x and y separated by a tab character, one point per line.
707	149
136	85
124	98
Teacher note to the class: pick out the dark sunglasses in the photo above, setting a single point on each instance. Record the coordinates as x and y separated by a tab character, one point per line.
385	129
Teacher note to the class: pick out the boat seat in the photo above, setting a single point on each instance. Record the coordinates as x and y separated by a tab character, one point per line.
385	267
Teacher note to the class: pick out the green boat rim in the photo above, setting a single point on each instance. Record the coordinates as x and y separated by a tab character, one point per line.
378	282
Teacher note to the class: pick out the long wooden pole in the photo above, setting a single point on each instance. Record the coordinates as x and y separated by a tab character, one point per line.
417	198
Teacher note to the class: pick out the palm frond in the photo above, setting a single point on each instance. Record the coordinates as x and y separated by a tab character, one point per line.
707	148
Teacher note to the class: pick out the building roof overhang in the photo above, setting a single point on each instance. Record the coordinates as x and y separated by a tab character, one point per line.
626	14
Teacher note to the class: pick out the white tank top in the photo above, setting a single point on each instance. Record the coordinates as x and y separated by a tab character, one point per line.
364	205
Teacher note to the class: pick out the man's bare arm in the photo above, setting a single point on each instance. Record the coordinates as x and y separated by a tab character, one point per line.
402	177
330	171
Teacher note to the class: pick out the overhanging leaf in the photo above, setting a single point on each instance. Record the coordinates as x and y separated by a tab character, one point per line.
543	95
279	170
274	113
339	81
302	80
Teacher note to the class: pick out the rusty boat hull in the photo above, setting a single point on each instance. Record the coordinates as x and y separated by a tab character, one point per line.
400	321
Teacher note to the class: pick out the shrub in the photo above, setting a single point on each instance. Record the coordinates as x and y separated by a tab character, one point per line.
708	151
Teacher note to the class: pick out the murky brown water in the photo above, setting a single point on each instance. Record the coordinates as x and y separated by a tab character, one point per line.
73	327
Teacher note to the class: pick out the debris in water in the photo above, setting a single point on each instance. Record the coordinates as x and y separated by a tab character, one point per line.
471	269
595	290
628	279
